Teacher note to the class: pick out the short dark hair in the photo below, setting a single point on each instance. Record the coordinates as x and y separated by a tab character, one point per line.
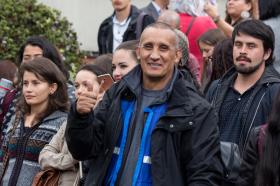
268	9
259	30
8	70
49	51
44	68
161	25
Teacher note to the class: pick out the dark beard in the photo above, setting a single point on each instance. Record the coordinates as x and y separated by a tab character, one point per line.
247	70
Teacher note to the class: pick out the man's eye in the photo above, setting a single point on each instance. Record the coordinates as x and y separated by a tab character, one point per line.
251	46
148	47
163	48
237	44
26	58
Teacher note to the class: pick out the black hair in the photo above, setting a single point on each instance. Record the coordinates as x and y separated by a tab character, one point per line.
259	30
49	51
268	9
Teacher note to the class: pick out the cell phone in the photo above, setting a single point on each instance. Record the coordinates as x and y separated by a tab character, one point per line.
106	81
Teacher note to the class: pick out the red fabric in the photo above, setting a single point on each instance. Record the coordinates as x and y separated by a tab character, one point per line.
200	25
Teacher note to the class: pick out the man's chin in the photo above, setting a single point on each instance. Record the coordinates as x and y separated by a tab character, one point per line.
246	70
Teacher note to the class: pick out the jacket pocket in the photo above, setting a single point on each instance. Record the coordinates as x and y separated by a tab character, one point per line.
178	124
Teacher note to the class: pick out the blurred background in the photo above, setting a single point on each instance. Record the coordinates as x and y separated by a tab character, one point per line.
86	16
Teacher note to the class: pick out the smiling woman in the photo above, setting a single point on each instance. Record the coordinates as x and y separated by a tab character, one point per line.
39	114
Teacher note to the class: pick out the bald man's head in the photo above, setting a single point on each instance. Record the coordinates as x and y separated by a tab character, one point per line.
171	18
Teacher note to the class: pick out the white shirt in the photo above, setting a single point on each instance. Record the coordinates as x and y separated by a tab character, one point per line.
119	29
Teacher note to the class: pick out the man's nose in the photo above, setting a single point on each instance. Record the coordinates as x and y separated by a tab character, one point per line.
155	53
243	50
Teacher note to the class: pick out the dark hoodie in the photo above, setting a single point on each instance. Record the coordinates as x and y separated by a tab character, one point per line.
259	104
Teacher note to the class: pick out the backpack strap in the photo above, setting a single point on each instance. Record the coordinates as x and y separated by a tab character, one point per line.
190	25
139	24
261	139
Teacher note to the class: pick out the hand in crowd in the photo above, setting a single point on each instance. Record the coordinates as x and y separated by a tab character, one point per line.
87	100
210	9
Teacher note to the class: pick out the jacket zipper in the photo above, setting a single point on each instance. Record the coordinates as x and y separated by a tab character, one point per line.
18	163
108	159
251	124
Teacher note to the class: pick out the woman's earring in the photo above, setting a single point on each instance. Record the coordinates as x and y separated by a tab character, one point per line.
245	14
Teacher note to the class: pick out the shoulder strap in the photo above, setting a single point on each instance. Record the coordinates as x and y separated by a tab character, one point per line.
139	24
190	25
261	139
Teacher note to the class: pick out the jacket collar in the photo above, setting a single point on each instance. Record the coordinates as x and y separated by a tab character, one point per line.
132	14
55	115
177	93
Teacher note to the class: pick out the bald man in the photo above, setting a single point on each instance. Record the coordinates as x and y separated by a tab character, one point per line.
151	128
171	18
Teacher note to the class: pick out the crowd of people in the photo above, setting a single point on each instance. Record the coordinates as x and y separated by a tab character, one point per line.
177	96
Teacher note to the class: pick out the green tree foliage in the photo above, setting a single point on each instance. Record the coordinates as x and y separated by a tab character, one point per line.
20	19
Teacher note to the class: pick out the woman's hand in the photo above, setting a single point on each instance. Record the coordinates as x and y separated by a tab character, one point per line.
211	10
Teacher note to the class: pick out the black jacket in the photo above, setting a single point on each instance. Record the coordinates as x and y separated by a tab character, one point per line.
105	32
258	106
250	160
185	146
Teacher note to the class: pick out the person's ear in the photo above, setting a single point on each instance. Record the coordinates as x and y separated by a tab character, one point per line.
178	56
138	53
53	88
267	54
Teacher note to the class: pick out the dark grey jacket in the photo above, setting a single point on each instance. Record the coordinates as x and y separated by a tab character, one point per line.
151	10
105	32
259	104
185	146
